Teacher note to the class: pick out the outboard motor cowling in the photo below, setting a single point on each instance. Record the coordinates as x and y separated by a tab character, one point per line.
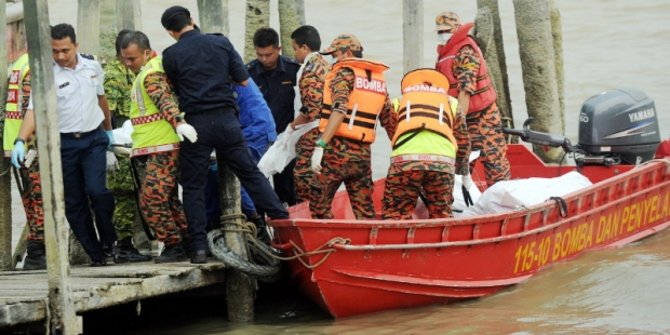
620	123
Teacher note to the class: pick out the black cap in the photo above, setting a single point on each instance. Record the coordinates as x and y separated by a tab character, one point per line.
171	13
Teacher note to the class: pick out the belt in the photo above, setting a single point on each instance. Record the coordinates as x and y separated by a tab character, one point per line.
78	134
422	157
154	149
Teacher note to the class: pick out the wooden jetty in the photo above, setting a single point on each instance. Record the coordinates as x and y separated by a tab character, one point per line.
24	294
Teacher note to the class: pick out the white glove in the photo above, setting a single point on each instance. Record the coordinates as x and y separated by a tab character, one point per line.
467	181
317	157
289	130
112	162
186	130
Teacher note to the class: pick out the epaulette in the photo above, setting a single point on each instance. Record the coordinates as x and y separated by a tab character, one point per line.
88	56
216	34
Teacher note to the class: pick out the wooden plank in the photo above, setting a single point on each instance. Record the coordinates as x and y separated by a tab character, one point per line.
23	295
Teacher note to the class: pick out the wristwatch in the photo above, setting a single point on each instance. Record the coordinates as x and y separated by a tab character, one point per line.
321	143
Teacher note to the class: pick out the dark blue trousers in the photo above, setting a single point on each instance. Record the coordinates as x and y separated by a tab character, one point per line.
84	187
220	130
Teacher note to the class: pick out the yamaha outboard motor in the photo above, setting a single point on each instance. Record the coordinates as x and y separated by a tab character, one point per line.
619	124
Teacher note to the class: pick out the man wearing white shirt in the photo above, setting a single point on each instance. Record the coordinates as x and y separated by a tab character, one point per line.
82	115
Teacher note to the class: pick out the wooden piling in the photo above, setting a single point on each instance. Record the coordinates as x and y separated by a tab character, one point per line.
213	15
88	26
557	34
499	65
539	71
5	180
291	16
62	314
128	15
257	16
240	288
412	26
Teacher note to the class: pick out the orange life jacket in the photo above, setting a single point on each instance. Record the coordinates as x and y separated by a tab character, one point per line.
424	105
365	102
485	94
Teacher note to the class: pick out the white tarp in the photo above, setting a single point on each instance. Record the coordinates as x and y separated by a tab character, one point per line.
511	195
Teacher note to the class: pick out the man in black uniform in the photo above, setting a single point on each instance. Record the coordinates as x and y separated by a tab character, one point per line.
276	78
201	67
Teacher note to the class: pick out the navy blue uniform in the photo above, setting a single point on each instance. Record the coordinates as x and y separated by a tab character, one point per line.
200	67
277	86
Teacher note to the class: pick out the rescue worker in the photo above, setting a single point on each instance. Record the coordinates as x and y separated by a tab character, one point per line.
275	76
158	127
118	81
462	62
202	67
354	97
258	127
311	76
430	145
18	96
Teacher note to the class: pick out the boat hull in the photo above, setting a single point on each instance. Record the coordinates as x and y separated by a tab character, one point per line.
352	267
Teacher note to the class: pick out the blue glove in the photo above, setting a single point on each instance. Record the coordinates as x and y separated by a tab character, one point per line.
110	134
18	153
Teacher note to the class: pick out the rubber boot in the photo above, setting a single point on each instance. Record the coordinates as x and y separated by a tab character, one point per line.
126	252
36	256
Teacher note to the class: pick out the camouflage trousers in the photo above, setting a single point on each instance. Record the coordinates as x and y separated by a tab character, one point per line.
159	198
343	162
407	181
485	130
302	172
120	182
31	197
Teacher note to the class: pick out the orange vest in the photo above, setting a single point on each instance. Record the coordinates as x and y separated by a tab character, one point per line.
365	102
424	106
485	94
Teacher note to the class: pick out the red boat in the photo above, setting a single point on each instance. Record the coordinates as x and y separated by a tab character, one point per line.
355	267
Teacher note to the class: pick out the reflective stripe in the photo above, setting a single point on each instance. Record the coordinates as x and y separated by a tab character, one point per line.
422	157
14	115
145	119
154	149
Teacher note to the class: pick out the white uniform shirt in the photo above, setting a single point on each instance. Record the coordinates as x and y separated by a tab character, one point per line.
77	94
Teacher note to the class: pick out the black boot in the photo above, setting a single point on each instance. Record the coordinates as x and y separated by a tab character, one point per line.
171	254
262	233
126	252
36	257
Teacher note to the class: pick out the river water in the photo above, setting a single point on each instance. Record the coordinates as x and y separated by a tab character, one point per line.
607	44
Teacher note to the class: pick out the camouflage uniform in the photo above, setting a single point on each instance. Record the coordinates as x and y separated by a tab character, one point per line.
346	160
31	197
311	93
159	198
118	83
485	126
433	180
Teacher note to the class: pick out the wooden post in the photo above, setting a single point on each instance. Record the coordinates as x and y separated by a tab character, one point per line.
291	16
214	16
239	286
257	16
499	65
539	71
557	34
5	180
61	308
88	26
411	28
128	15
